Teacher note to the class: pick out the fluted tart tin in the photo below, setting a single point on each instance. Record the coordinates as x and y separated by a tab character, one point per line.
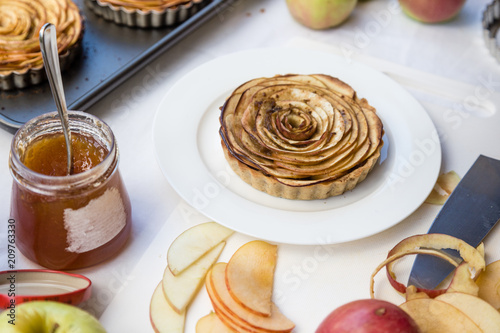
146	18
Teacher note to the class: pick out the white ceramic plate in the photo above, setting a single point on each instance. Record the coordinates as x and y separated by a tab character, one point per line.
189	152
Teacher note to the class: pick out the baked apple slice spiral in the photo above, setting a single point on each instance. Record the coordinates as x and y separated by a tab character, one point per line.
300	136
20	23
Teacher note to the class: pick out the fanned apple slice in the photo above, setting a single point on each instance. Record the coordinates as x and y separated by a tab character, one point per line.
227	317
216	283
163	317
235	324
180	289
489	284
211	324
193	243
481	312
250	276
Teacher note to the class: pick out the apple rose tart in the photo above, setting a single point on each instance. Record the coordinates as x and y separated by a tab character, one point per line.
20	24
300	136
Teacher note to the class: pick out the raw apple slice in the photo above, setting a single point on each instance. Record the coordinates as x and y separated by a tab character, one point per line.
276	322
193	243
434	316
481	312
163	317
489	284
211	324
462	282
250	276
48	316
445	184
180	289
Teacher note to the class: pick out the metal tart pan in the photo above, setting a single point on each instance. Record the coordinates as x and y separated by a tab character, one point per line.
146	19
110	55
35	75
491	26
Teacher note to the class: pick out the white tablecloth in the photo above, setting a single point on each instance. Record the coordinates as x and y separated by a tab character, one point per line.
444	66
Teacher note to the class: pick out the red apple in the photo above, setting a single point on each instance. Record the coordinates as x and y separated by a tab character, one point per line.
432	11
321	14
368	316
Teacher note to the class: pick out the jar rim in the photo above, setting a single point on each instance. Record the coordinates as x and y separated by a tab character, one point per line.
76	118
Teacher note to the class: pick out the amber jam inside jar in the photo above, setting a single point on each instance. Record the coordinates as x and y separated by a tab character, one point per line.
47	155
68	221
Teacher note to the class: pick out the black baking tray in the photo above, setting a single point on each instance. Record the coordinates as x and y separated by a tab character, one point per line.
110	55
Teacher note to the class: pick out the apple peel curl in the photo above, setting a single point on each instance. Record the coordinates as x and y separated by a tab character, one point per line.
392	277
431	244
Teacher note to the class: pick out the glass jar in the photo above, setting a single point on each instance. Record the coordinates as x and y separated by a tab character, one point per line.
72	221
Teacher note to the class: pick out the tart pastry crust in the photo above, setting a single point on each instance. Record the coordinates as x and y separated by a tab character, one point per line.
300	136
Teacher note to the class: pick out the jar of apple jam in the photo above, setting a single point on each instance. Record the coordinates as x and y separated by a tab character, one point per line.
68	221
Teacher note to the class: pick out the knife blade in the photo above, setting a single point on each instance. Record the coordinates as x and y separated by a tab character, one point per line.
470	212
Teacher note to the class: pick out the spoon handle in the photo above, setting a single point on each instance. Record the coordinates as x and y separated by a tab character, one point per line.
50	55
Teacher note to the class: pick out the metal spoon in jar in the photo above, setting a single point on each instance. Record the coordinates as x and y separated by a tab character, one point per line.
50	55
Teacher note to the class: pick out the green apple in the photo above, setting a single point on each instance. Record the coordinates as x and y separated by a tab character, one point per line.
48	317
321	14
431	11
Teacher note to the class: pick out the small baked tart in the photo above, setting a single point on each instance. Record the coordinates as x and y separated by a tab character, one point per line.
146	13
300	136
21	62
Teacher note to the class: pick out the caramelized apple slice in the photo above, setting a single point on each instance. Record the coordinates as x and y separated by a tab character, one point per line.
227	317
234	323
212	324
216	281
193	243
250	276
163	317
